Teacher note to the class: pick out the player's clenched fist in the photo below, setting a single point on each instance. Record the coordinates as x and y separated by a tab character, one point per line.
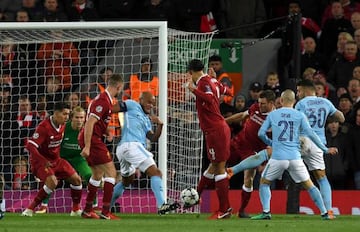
332	151
85	152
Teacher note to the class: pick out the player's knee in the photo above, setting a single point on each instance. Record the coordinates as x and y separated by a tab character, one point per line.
248	182
153	171
157	172
318	174
76	180
51	182
265	181
307	184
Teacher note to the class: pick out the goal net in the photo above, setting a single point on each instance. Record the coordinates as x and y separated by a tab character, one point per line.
42	63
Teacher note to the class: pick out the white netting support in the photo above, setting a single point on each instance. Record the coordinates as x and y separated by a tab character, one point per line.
91	47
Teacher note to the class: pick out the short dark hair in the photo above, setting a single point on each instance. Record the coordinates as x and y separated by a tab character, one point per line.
60	106
306	83
215	58
195	65
268	94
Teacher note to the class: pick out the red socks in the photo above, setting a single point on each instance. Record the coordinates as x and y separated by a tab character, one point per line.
222	190
108	191
245	198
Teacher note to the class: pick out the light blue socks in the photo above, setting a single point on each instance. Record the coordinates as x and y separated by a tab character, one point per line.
265	197
251	162
157	188
118	192
316	197
325	190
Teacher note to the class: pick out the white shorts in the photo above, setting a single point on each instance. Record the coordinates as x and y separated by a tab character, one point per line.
133	155
296	168
312	155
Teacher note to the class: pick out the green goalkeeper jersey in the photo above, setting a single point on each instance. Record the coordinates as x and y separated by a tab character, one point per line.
70	147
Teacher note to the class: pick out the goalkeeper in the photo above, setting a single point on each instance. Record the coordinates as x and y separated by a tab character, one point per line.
70	151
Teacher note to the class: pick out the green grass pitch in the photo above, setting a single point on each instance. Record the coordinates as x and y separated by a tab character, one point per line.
176	222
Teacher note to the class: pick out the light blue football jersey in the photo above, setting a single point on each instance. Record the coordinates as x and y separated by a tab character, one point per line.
286	124
317	110
136	123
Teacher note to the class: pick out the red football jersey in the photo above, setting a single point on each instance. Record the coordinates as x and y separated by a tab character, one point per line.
207	94
248	137
100	108
47	138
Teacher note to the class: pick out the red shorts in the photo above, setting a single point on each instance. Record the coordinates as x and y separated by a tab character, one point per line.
241	149
218	144
99	154
238	153
60	168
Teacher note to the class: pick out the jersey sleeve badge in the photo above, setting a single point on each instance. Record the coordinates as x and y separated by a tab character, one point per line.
35	135
98	109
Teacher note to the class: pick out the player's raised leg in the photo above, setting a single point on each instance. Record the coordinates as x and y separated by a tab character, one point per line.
250	162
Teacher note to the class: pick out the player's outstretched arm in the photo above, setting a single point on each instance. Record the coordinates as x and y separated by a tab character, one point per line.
236	118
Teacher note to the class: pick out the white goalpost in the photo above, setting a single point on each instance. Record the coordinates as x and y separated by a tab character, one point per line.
87	48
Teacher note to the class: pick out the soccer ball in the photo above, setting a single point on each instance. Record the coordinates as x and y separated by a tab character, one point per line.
189	196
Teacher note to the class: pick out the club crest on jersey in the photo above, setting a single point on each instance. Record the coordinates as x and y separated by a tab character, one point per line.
98	109
35	135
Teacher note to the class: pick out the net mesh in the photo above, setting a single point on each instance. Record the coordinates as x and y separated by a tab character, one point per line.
33	77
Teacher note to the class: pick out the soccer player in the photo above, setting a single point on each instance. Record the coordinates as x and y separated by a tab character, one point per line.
286	124
131	150
246	143
95	150
70	151
45	160
212	123
317	110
